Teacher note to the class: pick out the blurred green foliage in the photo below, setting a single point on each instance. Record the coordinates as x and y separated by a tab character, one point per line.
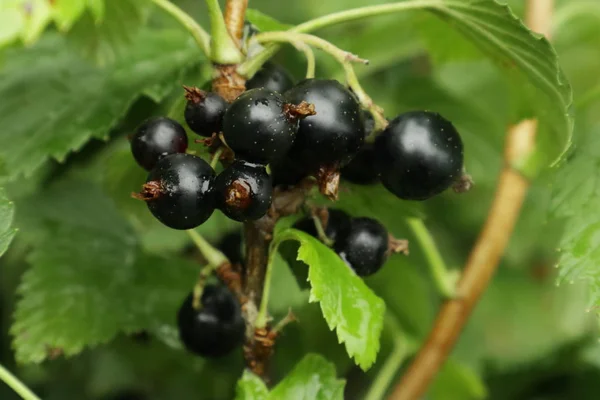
113	64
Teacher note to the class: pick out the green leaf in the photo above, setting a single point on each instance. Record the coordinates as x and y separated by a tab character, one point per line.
251	387
69	101
264	22
457	382
88	280
498	32
7	233
348	305
105	37
12	22
312	378
38	15
67	12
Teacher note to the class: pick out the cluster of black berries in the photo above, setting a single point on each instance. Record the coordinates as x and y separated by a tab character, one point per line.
363	243
313	128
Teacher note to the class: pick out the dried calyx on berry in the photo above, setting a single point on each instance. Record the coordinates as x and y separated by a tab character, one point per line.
179	191
204	111
216	327
244	191
156	138
271	77
259	126
419	155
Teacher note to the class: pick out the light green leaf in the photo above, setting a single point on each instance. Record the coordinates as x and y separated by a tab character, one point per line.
67	12
38	16
79	101
7	233
264	22
348	305
12	22
457	382
88	281
98	9
251	387
313	378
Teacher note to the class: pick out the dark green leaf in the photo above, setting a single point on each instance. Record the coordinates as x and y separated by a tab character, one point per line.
57	102
88	280
7	232
457	382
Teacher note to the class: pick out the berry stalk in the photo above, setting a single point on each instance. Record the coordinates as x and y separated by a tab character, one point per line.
223	47
198	33
15	384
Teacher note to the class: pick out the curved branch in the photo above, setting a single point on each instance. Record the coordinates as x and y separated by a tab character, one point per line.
235	13
491	244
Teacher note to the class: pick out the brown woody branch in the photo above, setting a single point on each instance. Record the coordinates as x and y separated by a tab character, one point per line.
235	12
491	244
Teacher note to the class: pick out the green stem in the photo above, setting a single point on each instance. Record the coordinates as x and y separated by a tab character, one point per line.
216	157
199	34
388	372
212	255
439	272
310	59
250	66
321	232
262	318
223	47
15	384
343	57
205	273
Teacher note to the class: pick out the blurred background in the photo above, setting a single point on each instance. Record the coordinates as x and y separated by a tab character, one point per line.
529	338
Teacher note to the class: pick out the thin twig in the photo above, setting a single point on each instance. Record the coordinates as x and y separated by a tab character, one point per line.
235	13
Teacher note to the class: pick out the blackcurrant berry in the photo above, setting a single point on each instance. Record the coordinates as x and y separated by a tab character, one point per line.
362	169
216	328
271	77
179	191
156	138
244	191
419	155
365	247
260	127
204	111
338	225
335	133
368	122
285	172
231	245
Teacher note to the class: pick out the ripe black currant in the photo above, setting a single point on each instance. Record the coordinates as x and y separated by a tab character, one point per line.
260	127
337	228
419	155
362	169
244	191
156	138
204	111
179	191
284	172
365	247
216	328
335	133
231	245
271	77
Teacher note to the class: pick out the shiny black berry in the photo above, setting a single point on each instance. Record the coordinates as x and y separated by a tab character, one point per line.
419	155
216	327
362	169
271	77
243	191
332	136
179	191
365	247
337	227
231	245
260	127
204	111
156	138
285	173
